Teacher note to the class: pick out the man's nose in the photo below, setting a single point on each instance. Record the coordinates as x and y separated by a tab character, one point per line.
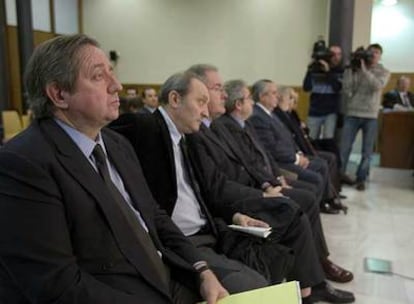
114	85
204	111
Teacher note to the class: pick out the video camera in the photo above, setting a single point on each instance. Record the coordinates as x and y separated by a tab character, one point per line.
320	52
360	54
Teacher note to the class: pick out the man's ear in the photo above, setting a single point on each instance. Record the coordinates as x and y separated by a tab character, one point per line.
174	99
238	104
57	95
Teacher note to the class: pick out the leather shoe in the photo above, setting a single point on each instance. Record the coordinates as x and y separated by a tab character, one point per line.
360	186
337	204
335	272
327	208
345	179
325	292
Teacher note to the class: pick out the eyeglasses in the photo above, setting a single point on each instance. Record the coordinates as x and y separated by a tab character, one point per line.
217	88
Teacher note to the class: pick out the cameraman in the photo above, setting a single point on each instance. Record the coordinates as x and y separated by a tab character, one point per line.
362	86
323	80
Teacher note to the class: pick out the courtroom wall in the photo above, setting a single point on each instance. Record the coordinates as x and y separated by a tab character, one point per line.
244	38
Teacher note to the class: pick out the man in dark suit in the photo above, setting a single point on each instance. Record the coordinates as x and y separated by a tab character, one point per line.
400	98
150	100
279	144
78	223
283	112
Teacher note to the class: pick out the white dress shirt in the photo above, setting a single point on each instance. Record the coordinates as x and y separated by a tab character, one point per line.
187	213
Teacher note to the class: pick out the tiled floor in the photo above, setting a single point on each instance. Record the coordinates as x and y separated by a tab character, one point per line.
380	224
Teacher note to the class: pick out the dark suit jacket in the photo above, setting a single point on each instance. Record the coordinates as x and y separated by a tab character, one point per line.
212	157
231	134
274	136
63	239
144	110
151	140
225	158
295	130
393	97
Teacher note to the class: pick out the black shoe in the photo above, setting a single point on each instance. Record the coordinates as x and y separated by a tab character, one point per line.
345	179
325	292
336	273
360	186
341	196
327	208
337	205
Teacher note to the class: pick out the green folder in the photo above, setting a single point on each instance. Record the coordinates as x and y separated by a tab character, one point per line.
286	293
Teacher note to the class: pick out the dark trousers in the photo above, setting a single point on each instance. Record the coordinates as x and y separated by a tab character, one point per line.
334	171
233	275
308	176
292	229
310	206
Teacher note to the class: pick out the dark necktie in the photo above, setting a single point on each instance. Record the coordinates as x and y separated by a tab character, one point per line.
406	100
149	252
194	184
258	148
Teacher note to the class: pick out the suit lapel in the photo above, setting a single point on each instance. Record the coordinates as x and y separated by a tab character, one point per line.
167	142
213	138
76	165
229	140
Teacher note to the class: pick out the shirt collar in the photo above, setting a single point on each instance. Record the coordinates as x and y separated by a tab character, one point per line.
264	108
172	129
85	144
240	121
151	109
206	122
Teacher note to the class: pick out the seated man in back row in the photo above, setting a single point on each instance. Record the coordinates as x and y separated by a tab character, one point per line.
78	223
400	98
150	100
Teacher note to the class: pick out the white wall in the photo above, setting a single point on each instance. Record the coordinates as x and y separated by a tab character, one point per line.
40	14
66	16
362	23
247	39
393	28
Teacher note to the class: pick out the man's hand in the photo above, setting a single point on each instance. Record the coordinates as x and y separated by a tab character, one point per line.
283	182
363	65
210	288
303	161
324	65
273	192
245	221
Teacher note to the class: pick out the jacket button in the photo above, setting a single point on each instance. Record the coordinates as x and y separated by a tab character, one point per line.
107	266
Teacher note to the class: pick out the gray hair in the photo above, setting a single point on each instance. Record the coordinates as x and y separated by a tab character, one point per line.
234	90
401	78
284	90
201	70
179	82
54	61
258	88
